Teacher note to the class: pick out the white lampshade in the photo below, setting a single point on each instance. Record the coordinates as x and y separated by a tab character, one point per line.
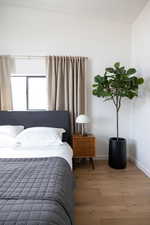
82	119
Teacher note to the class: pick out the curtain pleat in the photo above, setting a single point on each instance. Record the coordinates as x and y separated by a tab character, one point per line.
66	85
7	66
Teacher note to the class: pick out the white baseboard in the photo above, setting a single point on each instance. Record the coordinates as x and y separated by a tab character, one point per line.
140	166
101	157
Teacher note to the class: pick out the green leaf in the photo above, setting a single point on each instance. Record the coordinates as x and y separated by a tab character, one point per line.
94	92
110	70
98	79
140	80
131	71
131	94
122	68
106	94
94	85
117	65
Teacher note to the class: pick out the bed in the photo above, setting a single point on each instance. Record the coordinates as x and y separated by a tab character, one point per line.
36	185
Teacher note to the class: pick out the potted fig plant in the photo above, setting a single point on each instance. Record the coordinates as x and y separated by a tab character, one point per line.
117	83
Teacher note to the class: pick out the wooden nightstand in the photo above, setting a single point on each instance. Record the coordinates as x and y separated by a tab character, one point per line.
84	147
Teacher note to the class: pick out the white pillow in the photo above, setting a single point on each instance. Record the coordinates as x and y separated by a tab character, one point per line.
39	136
7	141
11	130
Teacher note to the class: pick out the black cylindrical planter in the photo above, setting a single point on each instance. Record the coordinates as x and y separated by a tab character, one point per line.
117	153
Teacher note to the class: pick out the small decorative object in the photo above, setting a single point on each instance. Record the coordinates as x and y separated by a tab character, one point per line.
83	119
117	83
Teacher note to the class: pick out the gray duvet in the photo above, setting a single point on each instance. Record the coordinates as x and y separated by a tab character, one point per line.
36	192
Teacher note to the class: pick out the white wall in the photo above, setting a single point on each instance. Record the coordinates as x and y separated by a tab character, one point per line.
141	110
35	32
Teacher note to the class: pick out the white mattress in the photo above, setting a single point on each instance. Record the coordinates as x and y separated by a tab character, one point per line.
64	151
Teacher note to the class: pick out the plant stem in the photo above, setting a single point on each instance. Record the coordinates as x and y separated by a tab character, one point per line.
117	115
117	119
117	103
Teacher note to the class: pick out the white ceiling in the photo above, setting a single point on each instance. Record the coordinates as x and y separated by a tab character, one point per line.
120	10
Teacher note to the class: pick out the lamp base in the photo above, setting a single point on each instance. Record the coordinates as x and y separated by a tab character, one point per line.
82	130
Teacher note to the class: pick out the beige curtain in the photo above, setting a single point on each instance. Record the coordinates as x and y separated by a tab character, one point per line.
66	85
7	66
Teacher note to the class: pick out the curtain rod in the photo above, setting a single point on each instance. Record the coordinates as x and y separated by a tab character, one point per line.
42	56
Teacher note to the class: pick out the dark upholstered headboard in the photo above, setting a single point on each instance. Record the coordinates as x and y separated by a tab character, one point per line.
58	119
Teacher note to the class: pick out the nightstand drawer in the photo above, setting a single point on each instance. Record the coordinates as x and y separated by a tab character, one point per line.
84	146
85	153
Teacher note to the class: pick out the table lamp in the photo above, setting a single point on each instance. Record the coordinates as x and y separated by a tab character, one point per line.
83	119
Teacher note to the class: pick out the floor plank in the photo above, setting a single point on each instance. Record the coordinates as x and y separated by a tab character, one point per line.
105	196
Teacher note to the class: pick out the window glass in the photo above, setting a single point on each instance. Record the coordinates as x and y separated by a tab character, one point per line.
19	93
37	93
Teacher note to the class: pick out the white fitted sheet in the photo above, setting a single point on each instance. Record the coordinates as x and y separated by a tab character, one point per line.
64	151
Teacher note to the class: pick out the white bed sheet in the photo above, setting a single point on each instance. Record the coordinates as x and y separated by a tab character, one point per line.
64	151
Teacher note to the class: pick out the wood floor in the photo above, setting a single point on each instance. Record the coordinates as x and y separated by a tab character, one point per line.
105	196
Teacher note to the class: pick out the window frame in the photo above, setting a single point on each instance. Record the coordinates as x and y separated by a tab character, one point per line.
27	77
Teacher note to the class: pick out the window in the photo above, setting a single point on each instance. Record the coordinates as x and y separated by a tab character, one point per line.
29	84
